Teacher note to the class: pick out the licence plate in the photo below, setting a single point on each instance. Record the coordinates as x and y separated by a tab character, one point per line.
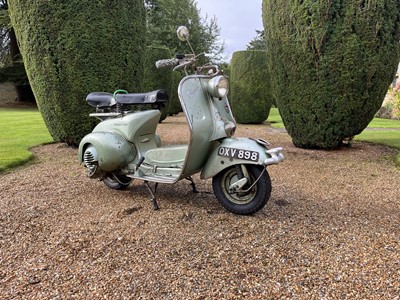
238	153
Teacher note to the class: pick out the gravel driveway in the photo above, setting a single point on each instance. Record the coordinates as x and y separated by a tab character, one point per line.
331	230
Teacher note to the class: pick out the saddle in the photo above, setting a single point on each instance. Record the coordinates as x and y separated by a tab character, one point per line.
102	99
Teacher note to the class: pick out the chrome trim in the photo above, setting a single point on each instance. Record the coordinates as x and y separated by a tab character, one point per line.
276	156
109	114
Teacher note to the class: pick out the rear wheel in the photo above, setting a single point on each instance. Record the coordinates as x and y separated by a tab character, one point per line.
249	199
116	181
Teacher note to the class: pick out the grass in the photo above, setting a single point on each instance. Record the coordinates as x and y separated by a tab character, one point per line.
384	123
21	129
384	137
275	118
388	138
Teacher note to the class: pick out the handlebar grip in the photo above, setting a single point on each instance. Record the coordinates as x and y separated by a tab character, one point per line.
167	63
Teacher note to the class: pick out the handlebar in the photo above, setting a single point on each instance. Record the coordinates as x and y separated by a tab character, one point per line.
183	64
167	63
182	61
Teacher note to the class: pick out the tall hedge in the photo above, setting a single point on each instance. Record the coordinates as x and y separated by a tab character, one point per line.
154	78
332	63
74	47
174	105
250	95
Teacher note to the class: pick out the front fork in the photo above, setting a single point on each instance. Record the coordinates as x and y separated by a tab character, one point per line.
244	178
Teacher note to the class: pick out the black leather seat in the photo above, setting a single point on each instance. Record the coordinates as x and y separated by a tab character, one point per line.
102	99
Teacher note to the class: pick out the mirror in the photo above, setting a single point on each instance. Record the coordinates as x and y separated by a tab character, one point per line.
183	33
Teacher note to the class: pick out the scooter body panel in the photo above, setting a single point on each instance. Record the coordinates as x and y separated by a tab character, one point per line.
113	150
234	151
137	127
118	141
163	164
205	119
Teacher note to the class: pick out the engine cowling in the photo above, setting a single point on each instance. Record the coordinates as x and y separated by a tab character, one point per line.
105	152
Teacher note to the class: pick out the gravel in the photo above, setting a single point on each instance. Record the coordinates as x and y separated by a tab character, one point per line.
331	230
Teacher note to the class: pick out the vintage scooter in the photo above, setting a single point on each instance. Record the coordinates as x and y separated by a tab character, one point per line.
125	145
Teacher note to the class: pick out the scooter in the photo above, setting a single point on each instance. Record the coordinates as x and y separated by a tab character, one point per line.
125	146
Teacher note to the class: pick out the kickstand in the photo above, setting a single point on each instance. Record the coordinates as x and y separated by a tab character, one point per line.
194	189
153	195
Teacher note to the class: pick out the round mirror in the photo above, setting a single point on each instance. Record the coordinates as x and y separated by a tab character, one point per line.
183	33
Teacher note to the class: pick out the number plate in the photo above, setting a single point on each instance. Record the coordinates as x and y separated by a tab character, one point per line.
238	153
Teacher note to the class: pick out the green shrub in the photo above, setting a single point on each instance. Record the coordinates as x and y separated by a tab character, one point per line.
154	78
332	63
71	48
174	106
163	78
250	95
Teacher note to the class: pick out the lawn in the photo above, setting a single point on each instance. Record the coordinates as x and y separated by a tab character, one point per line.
275	119
384	123
21	129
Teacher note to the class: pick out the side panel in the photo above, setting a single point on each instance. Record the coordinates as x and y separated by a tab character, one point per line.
230	152
196	106
113	150
133	125
137	128
207	118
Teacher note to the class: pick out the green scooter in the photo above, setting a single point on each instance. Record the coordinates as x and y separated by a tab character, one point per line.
125	146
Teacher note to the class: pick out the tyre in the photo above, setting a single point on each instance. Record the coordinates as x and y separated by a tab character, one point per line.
243	203
116	181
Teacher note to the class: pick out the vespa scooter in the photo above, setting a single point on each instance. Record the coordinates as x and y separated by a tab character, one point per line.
125	146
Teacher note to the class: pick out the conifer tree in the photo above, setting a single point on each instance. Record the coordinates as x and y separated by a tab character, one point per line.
331	64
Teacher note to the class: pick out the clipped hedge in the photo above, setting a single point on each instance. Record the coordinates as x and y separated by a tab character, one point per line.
154	78
174	106
332	63
71	48
250	95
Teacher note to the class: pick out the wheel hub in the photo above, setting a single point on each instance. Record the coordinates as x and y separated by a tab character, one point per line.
236	196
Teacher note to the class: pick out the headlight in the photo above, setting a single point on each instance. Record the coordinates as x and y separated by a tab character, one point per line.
218	86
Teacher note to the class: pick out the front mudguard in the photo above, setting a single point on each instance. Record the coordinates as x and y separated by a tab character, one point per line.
112	150
220	158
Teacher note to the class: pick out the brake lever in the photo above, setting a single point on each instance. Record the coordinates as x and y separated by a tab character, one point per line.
180	66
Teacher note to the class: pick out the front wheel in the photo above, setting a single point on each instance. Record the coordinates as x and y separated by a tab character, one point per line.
250	198
116	181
